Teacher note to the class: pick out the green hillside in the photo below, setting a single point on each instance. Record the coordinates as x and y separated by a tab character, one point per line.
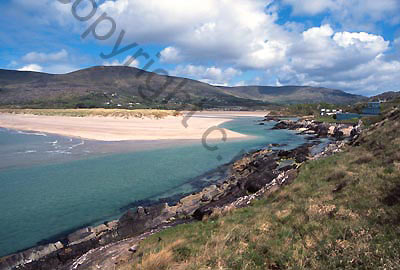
342	212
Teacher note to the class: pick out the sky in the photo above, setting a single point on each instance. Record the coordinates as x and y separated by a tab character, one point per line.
352	45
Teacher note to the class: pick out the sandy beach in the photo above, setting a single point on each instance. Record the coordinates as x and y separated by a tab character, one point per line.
121	129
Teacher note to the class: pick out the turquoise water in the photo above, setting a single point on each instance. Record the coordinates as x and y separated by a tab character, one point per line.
44	199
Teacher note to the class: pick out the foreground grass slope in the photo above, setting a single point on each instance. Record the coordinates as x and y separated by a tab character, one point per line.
342	212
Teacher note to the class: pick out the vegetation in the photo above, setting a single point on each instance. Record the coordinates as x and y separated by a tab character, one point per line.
309	109
342	212
95	112
329	119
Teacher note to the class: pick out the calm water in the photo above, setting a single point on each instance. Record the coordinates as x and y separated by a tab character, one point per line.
51	184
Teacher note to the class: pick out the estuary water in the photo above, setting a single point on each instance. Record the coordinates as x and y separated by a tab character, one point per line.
51	185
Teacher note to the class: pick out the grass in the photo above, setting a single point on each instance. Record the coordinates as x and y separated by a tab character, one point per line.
95	112
332	120
342	212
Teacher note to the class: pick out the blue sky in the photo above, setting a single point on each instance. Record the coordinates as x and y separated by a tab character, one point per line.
352	45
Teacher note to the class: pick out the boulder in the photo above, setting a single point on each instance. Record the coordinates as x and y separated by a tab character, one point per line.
206	198
347	131
338	134
321	130
331	130
99	229
255	183
80	236
133	223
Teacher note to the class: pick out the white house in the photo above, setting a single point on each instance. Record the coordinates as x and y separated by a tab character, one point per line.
330	112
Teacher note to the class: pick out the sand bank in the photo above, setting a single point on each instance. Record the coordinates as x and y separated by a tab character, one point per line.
120	129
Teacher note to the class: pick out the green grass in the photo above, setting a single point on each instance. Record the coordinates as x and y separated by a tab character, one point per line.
342	212
328	119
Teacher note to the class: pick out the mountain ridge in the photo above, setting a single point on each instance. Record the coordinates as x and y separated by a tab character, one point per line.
119	86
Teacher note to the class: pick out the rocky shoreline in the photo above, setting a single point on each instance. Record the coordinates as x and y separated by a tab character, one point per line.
249	177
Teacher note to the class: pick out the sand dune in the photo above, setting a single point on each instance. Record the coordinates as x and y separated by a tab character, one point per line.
120	129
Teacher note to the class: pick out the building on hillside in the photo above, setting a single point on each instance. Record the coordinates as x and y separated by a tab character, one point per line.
329	112
373	108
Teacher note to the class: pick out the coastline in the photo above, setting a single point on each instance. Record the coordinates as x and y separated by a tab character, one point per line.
231	190
109	129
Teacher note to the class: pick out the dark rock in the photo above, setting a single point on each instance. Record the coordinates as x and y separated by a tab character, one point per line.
134	223
200	213
321	130
255	183
338	134
206	198
271	118
275	145
393	197
287	168
340	187
281	125
301	158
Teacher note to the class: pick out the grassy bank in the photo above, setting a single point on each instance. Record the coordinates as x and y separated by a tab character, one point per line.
95	112
328	119
342	212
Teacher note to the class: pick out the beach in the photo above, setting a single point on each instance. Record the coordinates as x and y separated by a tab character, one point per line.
121	129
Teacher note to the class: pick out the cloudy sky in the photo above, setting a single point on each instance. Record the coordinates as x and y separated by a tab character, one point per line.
352	45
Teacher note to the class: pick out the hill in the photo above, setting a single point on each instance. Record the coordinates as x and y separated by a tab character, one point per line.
388	96
108	87
293	94
126	87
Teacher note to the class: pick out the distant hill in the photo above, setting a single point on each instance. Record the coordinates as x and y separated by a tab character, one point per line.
124	87
293	94
388	96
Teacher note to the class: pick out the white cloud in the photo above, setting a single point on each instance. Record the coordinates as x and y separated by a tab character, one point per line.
60	68
46	57
361	41
171	55
351	61
31	67
320	50
212	75
52	69
133	62
55	63
199	30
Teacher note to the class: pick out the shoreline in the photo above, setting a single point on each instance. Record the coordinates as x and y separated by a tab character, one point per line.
114	129
203	203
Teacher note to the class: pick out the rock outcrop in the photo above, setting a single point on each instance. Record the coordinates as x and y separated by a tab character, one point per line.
320	130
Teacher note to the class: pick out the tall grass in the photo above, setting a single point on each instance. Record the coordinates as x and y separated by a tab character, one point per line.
95	112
